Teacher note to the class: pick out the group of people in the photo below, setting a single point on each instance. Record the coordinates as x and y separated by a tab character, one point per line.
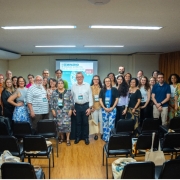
118	97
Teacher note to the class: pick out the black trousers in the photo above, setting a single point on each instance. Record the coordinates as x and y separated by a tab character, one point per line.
119	110
82	124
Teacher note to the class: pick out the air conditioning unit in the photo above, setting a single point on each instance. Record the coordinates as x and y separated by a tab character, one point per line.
8	55
99	2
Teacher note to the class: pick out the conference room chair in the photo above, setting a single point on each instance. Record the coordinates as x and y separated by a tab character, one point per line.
48	129
11	144
20	170
118	145
139	170
4	129
37	143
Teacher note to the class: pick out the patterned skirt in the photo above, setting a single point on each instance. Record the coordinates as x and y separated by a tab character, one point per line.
20	114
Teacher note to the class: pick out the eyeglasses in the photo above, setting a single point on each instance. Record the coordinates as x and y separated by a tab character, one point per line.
96	79
107	81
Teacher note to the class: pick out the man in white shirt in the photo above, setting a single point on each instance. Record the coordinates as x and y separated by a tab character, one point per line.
121	71
37	102
82	96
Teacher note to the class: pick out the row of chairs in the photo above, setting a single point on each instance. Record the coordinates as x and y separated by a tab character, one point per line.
148	170
34	146
121	144
46	128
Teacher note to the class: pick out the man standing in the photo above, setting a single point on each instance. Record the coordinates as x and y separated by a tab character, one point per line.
140	73
1	89
8	74
37	102
59	73
45	74
121	71
82	96
160	95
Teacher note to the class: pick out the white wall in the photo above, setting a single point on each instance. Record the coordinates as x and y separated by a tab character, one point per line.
106	64
3	66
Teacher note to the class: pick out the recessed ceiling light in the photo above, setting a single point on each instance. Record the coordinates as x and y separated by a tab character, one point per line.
38	27
127	27
99	46
56	46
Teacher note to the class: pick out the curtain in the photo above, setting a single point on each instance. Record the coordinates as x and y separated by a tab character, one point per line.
169	63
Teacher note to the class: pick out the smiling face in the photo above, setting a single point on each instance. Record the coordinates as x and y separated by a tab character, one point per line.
160	78
152	82
107	82
143	81
8	83
79	78
119	80
121	70
58	74
60	85
173	79
1	79
21	82
133	83
52	84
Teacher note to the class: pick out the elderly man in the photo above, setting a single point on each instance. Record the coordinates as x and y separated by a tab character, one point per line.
45	73
121	71
59	73
8	74
37	102
82	96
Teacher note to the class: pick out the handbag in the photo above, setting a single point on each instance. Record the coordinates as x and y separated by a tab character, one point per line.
155	156
118	166
93	127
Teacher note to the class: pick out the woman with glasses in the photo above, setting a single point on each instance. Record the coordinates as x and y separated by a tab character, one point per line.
18	99
31	80
96	111
108	99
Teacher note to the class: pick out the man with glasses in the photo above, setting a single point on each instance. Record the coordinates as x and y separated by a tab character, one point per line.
45	74
8	74
160	95
37	102
82	96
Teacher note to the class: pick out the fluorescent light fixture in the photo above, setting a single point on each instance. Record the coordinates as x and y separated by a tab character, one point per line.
127	27
38	27
56	46
99	46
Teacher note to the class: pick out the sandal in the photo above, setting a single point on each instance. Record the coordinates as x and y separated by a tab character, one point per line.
60	140
68	143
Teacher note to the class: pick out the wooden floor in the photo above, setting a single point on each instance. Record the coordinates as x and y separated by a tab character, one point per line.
79	161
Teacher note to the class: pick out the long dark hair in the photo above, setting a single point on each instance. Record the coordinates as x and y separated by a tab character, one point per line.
20	77
100	83
104	87
177	77
114	78
146	86
123	88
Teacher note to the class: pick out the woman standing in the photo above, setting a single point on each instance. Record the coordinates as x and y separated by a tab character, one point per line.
173	80
146	95
108	99
134	102
7	107
123	98
31	80
127	78
52	87
96	111
152	82
113	79
62	104
45	82
20	112
14	82
177	100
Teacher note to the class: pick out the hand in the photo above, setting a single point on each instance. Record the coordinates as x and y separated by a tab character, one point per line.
106	109
133	111
176	107
32	114
54	113
160	108
124	112
74	112
111	109
88	111
158	105
142	107
92	109
20	104
70	113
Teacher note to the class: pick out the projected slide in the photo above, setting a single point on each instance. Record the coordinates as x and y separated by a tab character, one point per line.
70	68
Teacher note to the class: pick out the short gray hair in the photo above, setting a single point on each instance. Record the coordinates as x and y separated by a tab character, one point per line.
79	73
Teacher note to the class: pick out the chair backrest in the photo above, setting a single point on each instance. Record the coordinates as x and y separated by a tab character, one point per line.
17	171
144	141
9	143
139	170
150	125
3	129
119	141
20	129
34	143
47	128
175	123
170	170
171	140
7	122
125	125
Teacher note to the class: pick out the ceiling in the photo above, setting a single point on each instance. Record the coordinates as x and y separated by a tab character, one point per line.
82	14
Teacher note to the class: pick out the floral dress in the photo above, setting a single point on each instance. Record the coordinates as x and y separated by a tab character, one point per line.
177	93
62	103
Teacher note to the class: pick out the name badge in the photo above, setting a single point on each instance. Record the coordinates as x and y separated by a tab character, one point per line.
60	102
96	98
80	97
107	102
44	99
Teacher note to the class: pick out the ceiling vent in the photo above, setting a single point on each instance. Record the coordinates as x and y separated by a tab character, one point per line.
99	2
